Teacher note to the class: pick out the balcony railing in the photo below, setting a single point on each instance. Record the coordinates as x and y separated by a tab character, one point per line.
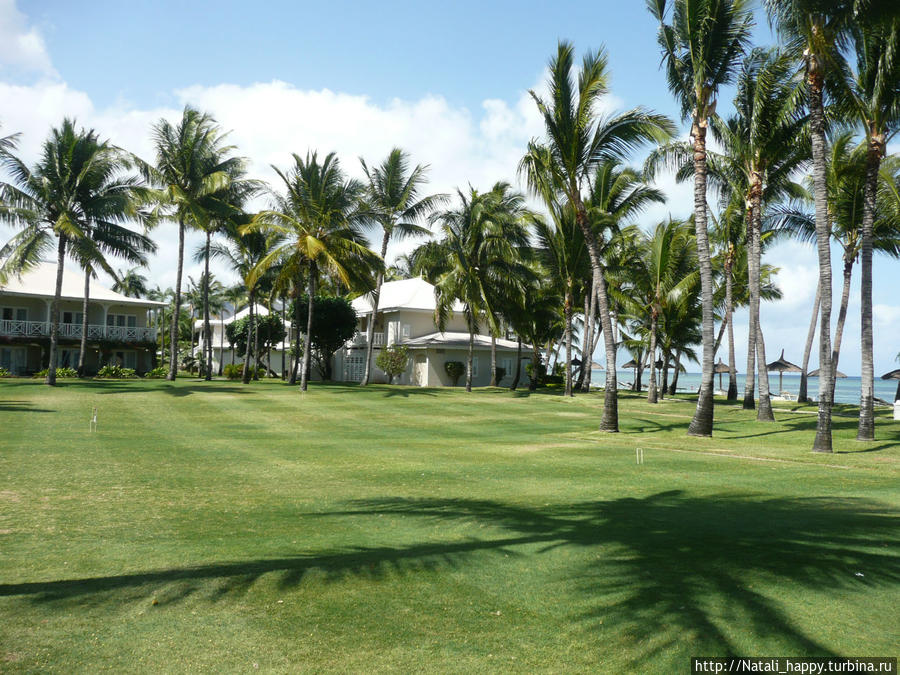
73	330
359	340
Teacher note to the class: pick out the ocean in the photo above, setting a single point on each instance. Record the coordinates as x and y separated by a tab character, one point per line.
845	391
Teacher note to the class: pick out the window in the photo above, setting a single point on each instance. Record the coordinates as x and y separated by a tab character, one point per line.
73	317
121	320
15	314
353	368
404	330
13	359
506	364
68	358
474	366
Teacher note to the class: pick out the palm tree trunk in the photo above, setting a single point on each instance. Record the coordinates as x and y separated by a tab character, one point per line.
296	360
370	328
54	311
702	423
866	429
803	396
764	412
307	339
674	386
842	317
718	343
610	419
82	349
567	310
665	376
651	387
595	340
822	442
221	340
515	382
207	331
173	331
255	348
587	341
470	356
753	287
245	371
288	337
535	367
729	318
493	360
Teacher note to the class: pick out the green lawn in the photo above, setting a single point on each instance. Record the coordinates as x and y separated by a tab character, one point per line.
217	527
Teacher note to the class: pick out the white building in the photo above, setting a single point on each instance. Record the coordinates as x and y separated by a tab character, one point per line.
222	353
406	316
118	326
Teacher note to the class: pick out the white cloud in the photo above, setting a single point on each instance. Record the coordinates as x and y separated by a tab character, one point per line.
21	46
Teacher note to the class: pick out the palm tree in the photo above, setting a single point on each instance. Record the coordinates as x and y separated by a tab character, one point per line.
106	238
131	283
479	261
662	273
577	140
701	48
192	166
816	30
872	98
396	207
319	215
70	190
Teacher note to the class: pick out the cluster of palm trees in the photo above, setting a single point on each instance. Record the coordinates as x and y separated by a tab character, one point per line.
569	273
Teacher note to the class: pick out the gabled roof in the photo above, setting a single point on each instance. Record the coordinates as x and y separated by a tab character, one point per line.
40	281
259	310
415	294
453	339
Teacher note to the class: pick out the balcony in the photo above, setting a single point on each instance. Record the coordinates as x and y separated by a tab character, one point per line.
27	329
359	340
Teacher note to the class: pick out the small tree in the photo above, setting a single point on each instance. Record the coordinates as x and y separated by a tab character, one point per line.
333	323
393	360
270	332
455	370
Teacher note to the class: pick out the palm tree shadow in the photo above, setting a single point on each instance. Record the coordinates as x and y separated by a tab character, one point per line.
654	570
21	406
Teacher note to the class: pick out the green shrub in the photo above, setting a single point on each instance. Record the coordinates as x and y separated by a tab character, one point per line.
232	370
114	372
393	360
61	373
455	369
157	373
4	372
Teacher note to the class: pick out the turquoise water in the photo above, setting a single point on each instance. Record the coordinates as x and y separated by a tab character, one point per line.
846	390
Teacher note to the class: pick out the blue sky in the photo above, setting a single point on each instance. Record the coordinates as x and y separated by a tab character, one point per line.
447	81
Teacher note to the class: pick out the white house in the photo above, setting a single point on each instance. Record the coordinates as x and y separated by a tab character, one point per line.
118	327
406	316
222	353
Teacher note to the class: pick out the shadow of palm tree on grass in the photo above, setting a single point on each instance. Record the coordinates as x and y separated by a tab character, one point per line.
658	570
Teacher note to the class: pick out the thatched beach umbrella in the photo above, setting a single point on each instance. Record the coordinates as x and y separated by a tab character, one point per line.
597	366
721	368
633	365
837	373
782	366
894	375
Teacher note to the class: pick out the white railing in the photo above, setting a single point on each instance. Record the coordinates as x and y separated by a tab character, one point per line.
73	330
359	340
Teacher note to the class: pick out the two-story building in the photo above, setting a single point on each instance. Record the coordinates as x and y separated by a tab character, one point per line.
118	328
406	316
279	359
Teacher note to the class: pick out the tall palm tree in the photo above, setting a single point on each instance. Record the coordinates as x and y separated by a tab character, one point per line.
192	166
70	189
105	238
577	140
701	49
396	207
871	97
479	260
319	216
815	30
